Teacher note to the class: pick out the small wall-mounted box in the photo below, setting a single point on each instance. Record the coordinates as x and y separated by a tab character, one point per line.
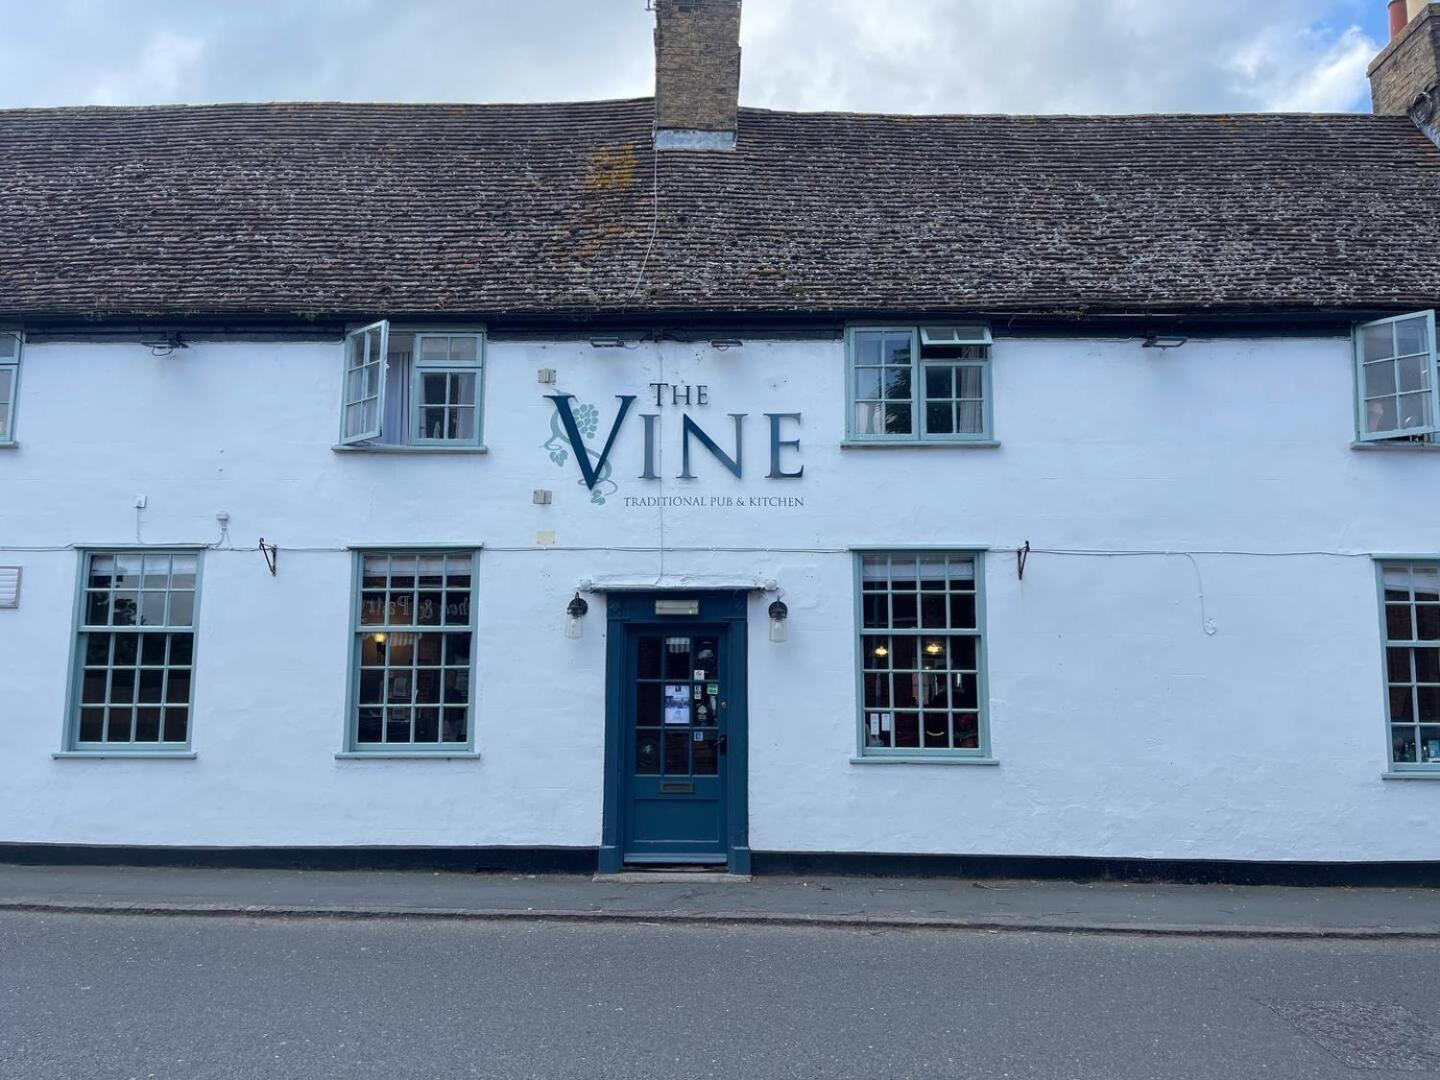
9	586
546	375
540	497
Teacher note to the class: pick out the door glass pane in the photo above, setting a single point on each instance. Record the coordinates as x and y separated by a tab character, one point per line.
647	752
677	753
650	653
706	755
677	658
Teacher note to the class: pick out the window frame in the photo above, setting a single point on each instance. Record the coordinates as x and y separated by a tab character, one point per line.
8	410
419	368
1399	435
72	745
351	746
376	441
1393	767
983	752
918	434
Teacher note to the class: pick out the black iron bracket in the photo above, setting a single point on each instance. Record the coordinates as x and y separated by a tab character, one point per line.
1021	554
271	553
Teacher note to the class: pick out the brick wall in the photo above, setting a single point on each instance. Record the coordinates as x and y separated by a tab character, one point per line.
697	64
1408	65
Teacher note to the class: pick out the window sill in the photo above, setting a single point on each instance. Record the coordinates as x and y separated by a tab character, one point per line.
124	755
12	445
1417	775
1386	445
919	759
408	755
339	449
919	444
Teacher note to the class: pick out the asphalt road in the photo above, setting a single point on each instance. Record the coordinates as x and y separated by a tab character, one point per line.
195	998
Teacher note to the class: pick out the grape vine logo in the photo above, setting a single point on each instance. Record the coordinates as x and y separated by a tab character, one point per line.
583	421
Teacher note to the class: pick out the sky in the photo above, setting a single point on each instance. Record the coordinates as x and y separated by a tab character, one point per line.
902	56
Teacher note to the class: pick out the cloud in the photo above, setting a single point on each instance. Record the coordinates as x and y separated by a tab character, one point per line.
1050	56
160	71
865	55
1334	83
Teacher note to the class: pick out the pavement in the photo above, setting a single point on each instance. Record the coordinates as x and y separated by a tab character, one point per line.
864	902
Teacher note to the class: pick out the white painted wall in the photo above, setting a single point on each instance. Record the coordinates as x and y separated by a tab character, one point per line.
1122	728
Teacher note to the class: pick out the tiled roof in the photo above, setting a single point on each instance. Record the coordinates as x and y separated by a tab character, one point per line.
346	210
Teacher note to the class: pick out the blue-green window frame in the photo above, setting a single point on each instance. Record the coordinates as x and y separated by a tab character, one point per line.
374	436
1418	691
352	746
1429	366
420	367
978	335
982	751
10	367
80	630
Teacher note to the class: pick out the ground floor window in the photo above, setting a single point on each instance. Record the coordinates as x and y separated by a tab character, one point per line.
135	650
1411	596
413	651
922	660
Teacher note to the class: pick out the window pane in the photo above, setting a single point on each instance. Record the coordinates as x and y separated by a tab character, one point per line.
897	383
971	418
1411	336
1413	373
1380	415
1379	379
465	347
432	388
897	419
869	418
462	388
940	418
867	383
434	347
1414	410
939	382
867	347
1377	342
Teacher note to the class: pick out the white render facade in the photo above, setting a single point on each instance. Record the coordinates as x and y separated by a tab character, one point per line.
1192	667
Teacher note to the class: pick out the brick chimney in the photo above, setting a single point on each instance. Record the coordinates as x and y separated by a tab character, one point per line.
1403	77
697	74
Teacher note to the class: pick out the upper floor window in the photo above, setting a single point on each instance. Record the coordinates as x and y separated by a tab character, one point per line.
1396	378
412	388
11	342
927	383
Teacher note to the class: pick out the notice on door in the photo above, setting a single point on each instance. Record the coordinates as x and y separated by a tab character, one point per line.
677	703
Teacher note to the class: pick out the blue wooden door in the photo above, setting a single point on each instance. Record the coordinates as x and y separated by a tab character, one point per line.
679	695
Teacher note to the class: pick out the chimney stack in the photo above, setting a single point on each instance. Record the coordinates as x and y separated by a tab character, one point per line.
697	74
1404	76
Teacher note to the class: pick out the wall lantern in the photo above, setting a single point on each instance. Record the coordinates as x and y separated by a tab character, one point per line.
779	613
574	612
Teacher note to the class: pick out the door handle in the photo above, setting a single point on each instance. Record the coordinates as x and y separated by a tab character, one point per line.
724	743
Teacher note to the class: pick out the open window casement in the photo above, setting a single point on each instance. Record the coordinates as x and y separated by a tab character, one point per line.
955	335
363	403
1397	390
11	343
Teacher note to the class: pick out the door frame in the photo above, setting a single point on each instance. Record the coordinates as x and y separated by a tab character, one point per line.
728	609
